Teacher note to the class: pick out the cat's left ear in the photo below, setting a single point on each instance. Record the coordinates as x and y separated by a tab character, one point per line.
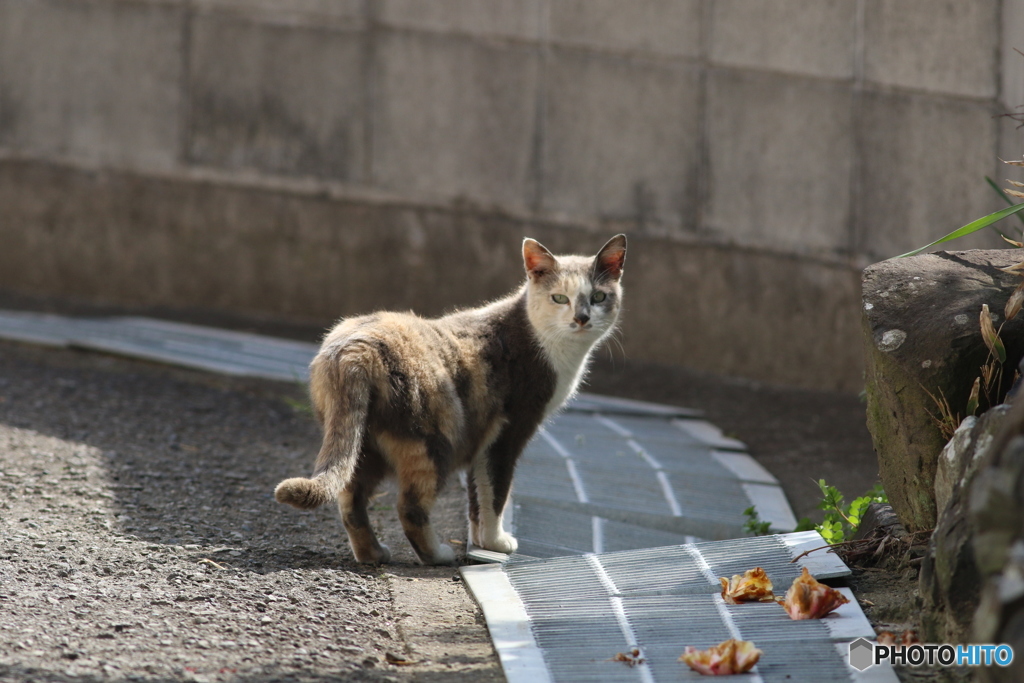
537	259
609	261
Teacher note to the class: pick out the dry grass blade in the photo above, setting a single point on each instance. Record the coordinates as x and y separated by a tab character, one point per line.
1014	303
1015	269
988	333
1013	242
1014	193
947	421
972	402
1013	163
1014	183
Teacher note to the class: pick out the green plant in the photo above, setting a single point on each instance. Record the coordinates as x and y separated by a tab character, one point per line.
841	521
756	527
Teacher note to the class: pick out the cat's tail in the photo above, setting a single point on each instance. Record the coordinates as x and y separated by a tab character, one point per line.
340	387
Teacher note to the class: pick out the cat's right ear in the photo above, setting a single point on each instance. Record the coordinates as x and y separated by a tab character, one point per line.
537	259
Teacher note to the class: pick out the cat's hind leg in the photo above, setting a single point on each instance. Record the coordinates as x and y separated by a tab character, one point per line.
352	504
419	479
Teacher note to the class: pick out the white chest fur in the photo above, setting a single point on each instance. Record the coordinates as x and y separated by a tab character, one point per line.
569	359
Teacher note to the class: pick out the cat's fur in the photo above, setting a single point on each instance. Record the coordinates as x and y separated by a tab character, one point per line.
399	394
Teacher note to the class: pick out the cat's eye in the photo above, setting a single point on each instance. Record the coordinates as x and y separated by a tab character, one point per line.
598	297
560	298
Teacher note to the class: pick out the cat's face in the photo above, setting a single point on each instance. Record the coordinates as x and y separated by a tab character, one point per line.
574	298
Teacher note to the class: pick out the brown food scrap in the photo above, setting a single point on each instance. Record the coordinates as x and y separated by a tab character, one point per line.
632	658
730	657
809	599
751	586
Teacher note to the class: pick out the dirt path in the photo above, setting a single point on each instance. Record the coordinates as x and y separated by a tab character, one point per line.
139	539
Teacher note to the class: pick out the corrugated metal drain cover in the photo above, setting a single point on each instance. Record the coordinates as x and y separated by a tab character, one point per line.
564	619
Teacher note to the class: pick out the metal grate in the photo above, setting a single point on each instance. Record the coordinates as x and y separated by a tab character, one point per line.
205	348
582	610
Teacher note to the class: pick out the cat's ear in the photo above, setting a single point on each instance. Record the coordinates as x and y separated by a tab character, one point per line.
537	260
608	262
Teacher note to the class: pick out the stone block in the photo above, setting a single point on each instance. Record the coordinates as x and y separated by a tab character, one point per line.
946	46
455	118
509	18
665	27
96	81
621	139
780	151
760	35
276	98
351	13
922	174
923	344
1011	90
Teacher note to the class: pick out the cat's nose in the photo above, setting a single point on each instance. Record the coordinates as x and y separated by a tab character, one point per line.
581	318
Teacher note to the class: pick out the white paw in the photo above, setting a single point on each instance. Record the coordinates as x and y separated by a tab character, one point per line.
503	543
474	533
443	554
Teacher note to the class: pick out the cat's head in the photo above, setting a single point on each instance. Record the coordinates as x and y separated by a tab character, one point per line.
574	298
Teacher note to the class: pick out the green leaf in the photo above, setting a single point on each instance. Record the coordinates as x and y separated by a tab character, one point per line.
971	227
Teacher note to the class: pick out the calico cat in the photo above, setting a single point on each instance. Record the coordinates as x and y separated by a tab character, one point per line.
417	398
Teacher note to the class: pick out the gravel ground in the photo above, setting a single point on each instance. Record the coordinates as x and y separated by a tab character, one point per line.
139	540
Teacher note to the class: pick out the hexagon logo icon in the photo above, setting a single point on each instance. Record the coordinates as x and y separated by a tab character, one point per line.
862	654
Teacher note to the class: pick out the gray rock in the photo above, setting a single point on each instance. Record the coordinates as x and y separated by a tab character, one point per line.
923	340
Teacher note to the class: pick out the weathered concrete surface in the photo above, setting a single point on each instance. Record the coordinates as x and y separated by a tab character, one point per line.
922	336
290	100
761	148
943	46
644	172
92	80
897	139
138	240
759	35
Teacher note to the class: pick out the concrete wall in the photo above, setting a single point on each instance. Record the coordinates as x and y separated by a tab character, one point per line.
316	158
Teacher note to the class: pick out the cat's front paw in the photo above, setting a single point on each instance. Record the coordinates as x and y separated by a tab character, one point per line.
502	543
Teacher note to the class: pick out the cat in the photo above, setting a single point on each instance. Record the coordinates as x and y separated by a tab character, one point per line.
397	394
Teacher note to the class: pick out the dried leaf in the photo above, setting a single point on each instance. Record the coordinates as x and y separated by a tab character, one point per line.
729	657
397	660
1013	242
988	333
1013	304
751	586
886	638
1014	193
1013	163
632	658
972	402
909	637
809	599
1015	183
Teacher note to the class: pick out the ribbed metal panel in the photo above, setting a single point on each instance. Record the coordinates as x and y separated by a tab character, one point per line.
583	610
